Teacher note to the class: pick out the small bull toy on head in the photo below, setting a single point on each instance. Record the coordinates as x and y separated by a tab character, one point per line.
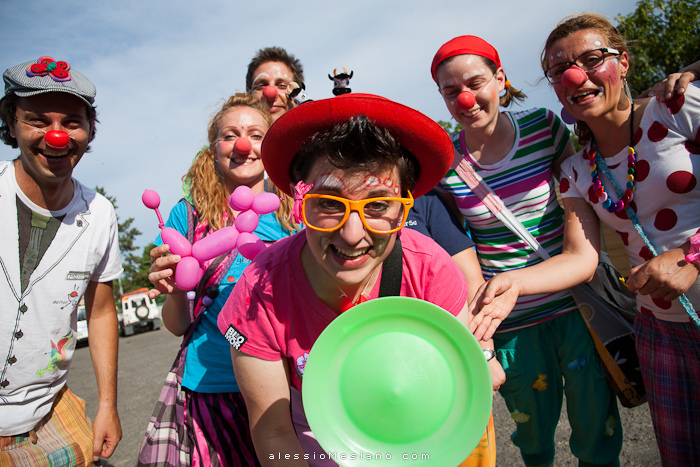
298	93
341	82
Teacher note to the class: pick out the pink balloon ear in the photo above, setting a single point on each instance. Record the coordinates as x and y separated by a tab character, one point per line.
265	203
247	221
270	93
177	242
573	77
249	245
241	199
243	146
466	100
150	199
188	273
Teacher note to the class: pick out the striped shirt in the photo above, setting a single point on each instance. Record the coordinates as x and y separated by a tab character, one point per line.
523	180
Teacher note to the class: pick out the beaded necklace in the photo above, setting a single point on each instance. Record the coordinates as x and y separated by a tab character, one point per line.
595	159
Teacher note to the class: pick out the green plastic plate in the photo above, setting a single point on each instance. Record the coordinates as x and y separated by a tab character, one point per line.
394	381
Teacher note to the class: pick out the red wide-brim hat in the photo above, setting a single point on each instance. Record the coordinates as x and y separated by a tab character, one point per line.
414	131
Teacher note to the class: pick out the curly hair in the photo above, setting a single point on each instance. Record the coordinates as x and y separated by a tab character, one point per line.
580	22
207	184
274	54
8	114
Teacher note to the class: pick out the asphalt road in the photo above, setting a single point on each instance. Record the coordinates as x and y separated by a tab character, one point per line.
145	358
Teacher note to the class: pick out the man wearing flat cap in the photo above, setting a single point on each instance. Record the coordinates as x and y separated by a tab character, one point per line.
58	244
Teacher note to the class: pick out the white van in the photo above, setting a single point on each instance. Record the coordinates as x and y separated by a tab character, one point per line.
81	336
138	312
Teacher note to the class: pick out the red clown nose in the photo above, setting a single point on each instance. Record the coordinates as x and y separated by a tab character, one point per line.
466	100
57	139
270	93
243	146
573	77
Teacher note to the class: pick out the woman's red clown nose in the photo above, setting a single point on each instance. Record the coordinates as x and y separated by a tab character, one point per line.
573	77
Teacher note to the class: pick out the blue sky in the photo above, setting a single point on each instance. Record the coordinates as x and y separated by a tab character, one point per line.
162	68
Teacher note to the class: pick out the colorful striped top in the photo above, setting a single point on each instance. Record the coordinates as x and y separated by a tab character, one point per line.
523	180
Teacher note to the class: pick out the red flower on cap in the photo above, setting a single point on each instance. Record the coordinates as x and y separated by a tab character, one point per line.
464	45
46	65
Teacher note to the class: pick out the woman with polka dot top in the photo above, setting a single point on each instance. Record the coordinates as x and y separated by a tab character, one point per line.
640	165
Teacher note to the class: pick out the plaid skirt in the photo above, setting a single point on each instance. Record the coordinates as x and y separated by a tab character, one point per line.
63	437
669	355
219	430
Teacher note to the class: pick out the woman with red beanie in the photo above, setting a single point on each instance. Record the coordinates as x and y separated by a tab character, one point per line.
544	345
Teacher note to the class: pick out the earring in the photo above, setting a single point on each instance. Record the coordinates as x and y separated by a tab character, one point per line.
628	93
567	117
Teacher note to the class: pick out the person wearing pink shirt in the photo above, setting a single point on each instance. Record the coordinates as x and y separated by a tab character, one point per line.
353	164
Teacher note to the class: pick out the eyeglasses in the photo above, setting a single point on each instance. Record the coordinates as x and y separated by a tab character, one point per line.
383	215
587	61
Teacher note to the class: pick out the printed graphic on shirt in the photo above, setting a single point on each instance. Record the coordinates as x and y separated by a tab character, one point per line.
235	338
78	276
301	364
73	299
58	354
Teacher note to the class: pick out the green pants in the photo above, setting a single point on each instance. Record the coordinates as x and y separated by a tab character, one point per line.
544	361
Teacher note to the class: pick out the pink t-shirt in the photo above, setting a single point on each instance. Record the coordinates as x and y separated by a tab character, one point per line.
273	313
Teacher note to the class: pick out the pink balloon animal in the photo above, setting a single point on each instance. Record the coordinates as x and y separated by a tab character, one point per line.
189	270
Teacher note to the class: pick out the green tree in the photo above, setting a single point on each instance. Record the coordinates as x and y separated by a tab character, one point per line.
132	263
140	276
663	36
451	128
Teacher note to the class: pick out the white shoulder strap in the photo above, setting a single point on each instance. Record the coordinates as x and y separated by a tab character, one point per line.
466	172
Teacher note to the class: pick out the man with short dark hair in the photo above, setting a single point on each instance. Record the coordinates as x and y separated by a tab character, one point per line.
58	244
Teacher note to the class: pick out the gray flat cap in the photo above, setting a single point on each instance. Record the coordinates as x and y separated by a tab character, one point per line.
46	75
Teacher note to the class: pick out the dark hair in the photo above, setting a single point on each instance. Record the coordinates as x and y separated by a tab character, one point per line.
274	54
360	145
580	22
512	94
8	114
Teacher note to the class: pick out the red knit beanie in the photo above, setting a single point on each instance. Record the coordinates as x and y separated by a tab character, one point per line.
464	45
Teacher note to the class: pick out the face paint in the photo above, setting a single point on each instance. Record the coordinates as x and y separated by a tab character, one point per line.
276	73
597	43
261	75
449	82
329	182
608	71
56	139
374	181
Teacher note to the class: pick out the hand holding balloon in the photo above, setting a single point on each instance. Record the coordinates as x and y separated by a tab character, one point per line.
162	272
189	269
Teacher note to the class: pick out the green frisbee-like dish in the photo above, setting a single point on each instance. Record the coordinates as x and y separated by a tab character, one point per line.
397	380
